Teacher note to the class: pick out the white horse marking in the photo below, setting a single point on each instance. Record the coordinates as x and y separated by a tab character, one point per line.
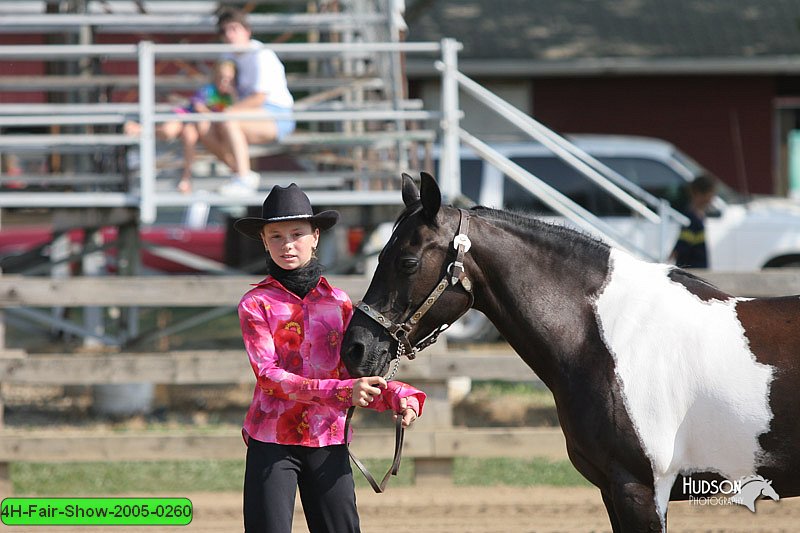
695	393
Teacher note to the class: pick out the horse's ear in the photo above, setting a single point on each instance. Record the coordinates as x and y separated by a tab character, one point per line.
431	197
410	191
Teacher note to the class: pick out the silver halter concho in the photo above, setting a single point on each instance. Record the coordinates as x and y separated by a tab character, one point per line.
401	332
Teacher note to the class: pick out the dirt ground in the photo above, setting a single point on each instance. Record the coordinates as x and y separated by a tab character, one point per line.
485	510
419	509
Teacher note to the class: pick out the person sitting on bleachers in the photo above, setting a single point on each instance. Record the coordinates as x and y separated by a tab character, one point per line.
214	97
262	88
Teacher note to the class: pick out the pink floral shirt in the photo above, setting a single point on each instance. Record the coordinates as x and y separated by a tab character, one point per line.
303	389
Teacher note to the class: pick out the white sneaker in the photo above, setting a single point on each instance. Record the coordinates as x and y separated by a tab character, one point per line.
241	185
252	179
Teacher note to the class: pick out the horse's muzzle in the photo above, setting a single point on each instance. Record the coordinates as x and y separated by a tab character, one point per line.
353	358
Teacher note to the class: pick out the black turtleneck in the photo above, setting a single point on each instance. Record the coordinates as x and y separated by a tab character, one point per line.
300	280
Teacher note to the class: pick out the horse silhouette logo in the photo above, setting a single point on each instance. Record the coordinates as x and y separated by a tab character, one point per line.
752	487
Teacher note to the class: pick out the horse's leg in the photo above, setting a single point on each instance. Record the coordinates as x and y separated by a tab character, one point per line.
597	477
635	505
608	501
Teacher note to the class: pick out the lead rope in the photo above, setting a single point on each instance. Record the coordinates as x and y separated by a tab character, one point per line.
399	434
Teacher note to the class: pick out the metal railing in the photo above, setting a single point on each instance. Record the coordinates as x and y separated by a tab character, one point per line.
149	113
186	23
653	209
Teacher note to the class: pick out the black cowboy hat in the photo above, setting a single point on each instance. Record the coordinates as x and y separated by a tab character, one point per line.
281	204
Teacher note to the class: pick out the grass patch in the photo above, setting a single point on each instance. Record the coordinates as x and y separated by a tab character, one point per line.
154	477
378	467
532	392
517	472
105	479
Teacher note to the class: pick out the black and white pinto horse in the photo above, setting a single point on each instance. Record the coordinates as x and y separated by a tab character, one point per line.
656	373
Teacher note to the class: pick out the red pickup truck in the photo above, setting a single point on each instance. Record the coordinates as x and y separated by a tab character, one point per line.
26	245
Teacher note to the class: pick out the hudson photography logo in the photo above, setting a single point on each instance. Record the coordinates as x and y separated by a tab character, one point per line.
744	491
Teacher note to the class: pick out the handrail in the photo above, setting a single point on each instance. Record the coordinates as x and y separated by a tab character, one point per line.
67	51
534	128
172	51
73	109
557	201
62	120
631	195
64	83
608	178
150	114
149	52
300	116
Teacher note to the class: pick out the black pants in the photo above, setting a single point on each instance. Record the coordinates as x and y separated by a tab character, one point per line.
273	473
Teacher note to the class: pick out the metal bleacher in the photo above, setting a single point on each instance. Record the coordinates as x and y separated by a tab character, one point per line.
87	68
357	129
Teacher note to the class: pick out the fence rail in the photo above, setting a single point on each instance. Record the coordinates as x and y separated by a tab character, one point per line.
433	444
231	366
58	446
199	291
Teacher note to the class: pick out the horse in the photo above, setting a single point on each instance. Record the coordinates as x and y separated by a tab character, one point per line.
656	373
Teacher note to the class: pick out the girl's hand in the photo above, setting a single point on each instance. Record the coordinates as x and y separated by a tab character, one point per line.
366	389
408	414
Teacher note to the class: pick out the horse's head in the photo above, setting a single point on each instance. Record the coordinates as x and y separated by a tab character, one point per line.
397	312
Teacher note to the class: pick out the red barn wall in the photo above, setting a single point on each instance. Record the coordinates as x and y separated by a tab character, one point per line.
697	114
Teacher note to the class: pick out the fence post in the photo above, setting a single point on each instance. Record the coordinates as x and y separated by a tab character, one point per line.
398	82
93	264
147	136
6	488
2	341
438	416
5	467
449	160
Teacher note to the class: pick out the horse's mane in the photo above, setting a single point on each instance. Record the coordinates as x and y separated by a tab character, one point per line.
566	238
529	223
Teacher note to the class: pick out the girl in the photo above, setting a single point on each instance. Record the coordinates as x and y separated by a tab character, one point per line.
292	324
214	97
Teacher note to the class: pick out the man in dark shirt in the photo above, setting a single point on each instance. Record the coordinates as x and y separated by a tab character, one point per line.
690	251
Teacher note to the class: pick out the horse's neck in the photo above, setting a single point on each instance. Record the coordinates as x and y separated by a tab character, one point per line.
537	289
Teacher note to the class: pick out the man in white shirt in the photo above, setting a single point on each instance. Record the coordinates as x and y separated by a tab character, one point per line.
261	88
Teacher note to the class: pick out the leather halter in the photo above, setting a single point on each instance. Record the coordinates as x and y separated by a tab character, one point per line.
456	274
402	332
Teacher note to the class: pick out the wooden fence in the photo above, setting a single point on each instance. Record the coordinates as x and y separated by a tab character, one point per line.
432	444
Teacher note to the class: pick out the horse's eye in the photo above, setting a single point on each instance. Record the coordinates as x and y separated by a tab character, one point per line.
409	265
